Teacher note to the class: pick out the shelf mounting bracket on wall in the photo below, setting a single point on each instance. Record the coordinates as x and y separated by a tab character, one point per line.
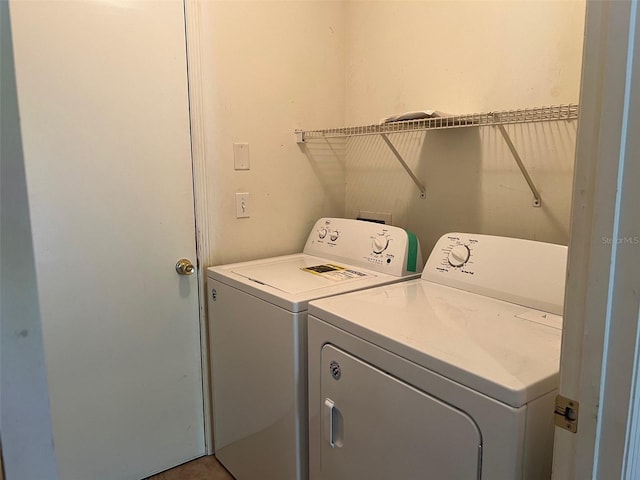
537	199
421	187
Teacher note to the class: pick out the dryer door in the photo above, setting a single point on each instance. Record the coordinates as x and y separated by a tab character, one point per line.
378	427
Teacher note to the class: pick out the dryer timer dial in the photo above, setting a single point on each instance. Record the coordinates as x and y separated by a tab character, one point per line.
459	255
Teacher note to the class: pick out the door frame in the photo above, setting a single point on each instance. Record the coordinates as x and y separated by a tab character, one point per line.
600	337
193	29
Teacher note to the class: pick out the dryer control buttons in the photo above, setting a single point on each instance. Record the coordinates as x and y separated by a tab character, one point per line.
380	244
322	233
459	255
334	235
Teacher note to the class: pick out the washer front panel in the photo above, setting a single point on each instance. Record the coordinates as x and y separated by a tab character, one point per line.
259	387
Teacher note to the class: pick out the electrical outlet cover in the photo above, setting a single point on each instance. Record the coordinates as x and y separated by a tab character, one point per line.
241	156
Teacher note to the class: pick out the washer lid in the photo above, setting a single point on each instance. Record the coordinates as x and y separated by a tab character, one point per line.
284	281
508	352
301	274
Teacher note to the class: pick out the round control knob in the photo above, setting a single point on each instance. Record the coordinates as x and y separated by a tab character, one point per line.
380	244
459	255
322	233
334	235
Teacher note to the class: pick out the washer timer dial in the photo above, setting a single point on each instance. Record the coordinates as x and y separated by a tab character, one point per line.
459	255
380	244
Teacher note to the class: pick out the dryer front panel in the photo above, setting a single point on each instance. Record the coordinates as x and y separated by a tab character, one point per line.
375	426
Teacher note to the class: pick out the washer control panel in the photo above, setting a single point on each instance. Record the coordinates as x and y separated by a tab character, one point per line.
520	271
378	247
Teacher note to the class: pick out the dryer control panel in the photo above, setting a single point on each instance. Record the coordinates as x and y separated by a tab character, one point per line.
382	248
519	271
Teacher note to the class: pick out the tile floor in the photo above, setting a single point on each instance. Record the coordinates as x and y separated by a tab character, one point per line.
203	468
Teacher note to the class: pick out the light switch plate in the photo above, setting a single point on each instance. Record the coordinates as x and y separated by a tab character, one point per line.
241	156
242	205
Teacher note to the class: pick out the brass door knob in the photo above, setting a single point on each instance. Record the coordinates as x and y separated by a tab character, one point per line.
185	267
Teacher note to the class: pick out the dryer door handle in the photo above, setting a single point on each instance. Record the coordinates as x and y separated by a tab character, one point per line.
332	424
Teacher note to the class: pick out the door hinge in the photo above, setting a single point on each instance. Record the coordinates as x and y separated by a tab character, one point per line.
566	413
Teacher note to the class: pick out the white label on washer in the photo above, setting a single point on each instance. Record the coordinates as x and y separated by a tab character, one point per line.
335	272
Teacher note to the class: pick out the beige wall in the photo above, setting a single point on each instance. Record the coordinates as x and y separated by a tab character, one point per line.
464	57
272	66
461	56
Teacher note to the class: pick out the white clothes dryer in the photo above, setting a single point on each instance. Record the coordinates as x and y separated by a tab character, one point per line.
258	338
448	377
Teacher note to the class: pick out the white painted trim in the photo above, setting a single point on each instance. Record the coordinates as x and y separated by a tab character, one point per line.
581	257
631	467
619	360
202	217
598	338
627	304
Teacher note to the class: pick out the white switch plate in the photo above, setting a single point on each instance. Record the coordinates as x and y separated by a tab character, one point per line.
241	156
242	205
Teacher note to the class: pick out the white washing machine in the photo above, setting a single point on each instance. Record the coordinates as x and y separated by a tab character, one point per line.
258	338
450	376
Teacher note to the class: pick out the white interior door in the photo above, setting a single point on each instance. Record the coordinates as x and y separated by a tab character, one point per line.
102	91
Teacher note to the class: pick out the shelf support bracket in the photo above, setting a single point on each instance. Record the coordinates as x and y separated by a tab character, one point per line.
537	200
421	187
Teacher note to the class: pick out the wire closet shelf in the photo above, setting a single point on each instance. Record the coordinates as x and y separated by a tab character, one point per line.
504	117
441	121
